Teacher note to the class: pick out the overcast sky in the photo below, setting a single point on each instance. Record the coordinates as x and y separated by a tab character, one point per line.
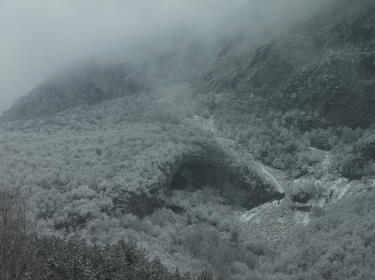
40	36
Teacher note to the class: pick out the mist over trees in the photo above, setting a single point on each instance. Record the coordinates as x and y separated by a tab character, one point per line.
41	37
187	140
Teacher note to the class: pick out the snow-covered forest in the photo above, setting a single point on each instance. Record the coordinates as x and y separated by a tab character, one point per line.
187	140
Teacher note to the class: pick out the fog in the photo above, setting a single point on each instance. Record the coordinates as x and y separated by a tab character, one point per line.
38	37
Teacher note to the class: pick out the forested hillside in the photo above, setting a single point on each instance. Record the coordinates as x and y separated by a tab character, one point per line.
238	157
313	82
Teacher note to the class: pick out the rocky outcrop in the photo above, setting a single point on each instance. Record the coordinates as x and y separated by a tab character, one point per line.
324	69
336	90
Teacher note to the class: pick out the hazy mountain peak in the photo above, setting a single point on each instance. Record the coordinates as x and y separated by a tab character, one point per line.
79	85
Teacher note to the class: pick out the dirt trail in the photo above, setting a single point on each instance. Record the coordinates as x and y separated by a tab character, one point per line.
275	176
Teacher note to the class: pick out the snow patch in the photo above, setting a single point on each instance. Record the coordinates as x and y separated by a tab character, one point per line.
302	218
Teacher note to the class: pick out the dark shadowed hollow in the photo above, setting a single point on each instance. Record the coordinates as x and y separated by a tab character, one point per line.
196	175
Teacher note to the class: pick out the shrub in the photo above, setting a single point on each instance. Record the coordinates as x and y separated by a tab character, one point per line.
317	211
304	192
358	161
321	139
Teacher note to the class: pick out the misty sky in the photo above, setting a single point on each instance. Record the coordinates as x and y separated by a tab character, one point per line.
40	36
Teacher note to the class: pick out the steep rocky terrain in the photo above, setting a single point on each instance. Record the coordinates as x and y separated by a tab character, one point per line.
320	72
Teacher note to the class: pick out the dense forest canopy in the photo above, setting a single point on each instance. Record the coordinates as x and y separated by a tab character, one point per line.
187	140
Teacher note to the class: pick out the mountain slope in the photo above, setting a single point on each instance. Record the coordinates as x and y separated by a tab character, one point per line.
252	174
320	72
89	84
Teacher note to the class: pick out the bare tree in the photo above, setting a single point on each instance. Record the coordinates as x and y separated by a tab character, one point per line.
15	240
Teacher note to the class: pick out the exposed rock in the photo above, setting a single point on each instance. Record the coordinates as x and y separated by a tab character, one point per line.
336	90
324	69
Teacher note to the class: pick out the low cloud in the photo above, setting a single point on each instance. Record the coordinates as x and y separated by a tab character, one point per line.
41	36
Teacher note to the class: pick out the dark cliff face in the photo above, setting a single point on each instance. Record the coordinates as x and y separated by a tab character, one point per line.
324	69
85	85
338	89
